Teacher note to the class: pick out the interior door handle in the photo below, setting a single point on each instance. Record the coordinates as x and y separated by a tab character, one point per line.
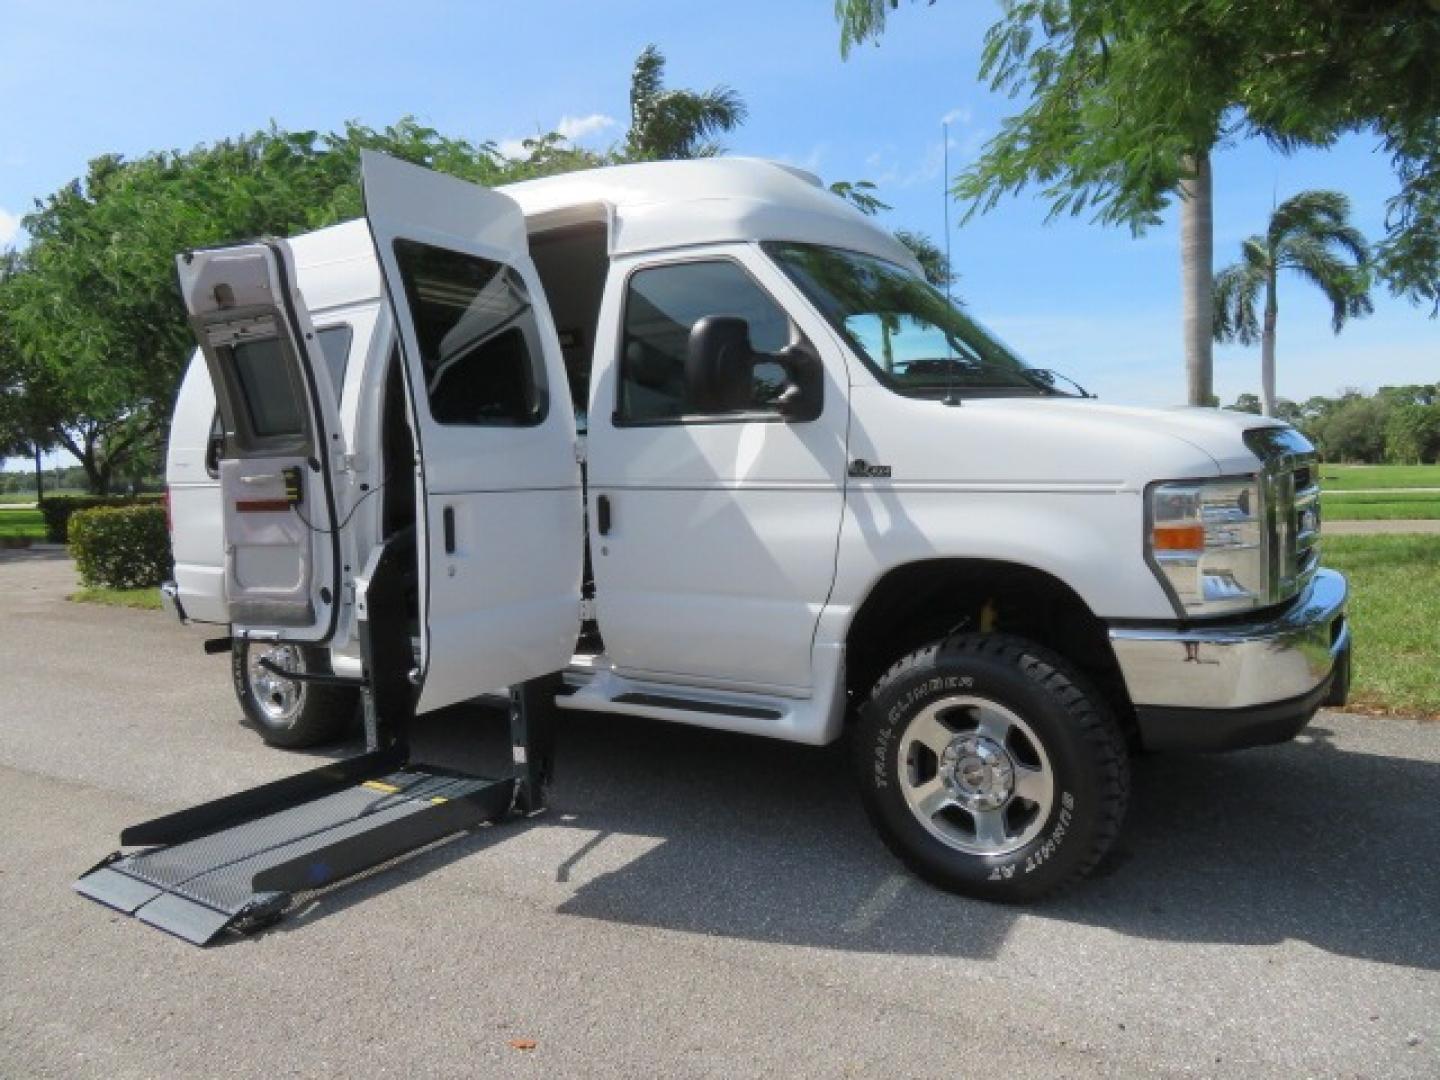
602	514
449	520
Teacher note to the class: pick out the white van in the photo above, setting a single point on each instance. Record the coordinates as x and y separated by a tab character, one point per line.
698	435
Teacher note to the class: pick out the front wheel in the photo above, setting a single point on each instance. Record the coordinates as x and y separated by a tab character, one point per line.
990	768
285	712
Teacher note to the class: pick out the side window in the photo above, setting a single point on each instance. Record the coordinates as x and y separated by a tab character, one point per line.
273	406
479	341
335	344
662	303
271	403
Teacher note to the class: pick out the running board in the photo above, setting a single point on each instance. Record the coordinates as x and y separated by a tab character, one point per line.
238	862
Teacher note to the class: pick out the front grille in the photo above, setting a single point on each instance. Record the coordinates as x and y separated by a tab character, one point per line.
1290	491
1296	524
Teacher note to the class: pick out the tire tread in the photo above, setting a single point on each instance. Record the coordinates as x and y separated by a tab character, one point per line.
1083	705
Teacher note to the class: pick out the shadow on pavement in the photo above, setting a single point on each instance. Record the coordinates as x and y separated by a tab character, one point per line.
766	841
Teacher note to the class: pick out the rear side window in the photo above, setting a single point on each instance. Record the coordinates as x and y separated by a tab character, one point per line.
271	403
662	304
479	341
335	345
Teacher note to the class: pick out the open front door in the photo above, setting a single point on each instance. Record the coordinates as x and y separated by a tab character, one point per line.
280	444
500	524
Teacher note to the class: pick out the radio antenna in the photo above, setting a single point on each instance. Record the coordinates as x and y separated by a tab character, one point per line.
952	396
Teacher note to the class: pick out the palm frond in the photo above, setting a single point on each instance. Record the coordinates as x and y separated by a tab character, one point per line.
1345	285
676	123
1237	287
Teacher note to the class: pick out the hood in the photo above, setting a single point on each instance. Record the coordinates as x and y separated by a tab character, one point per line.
1047	441
1219	433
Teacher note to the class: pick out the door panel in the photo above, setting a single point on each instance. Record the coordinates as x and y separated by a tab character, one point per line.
721	548
280	442
495	432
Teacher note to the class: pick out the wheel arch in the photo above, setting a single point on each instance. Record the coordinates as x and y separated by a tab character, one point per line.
918	602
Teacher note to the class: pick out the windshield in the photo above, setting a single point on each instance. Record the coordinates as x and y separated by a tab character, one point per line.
906	332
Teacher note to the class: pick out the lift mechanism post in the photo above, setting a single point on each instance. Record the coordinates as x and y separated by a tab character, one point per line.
238	862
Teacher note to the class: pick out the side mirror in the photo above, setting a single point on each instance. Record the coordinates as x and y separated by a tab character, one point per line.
803	395
719	365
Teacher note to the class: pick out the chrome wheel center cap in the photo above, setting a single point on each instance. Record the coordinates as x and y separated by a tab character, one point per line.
978	771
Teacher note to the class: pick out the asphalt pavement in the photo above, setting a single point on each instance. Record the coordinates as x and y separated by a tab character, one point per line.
698	904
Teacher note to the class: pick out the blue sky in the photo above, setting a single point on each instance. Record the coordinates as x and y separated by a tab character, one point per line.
83	78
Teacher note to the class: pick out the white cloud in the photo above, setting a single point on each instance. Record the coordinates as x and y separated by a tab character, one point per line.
575	128
9	227
961	115
570	128
512	148
811	162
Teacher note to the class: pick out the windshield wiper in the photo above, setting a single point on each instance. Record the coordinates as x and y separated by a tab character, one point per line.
1045	379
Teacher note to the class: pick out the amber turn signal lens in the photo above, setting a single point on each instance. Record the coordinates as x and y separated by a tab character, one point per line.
1179	537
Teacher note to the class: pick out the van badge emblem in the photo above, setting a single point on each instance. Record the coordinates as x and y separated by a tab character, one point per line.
862	468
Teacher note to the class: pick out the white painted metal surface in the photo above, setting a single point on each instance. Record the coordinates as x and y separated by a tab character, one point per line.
503	606
722	547
277	489
738	552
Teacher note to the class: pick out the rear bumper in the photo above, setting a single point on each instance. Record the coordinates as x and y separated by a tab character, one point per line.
1232	686
170	600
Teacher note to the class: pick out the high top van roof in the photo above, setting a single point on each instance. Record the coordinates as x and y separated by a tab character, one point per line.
647	207
666	204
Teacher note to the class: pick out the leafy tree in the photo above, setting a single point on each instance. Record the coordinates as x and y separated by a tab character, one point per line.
1287	410
24	424
1126	99
1412	433
1246	403
861	193
1421	394
1311	235
929	255
91	309
669	124
1351	429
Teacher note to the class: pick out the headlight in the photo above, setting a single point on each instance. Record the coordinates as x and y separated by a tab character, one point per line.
1205	543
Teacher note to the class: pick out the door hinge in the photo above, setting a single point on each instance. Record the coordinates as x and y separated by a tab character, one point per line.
587	610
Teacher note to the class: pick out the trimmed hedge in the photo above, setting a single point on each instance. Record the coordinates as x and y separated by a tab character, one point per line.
58	508
123	547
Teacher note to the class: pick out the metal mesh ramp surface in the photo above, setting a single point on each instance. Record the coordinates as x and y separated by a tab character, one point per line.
243	875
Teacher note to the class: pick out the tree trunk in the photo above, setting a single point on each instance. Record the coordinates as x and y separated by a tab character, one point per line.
97	475
1267	350
39	475
1197	272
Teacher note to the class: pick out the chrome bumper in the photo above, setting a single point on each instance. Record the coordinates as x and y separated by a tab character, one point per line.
1287	658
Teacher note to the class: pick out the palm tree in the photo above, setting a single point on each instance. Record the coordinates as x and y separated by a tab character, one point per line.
668	124
1197	281
1310	234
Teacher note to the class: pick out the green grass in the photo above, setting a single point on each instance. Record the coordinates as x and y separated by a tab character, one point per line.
22	523
146	599
29	496
1395	617
1352	477
1411	505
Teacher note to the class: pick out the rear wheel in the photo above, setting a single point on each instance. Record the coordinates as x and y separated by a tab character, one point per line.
287	713
990	768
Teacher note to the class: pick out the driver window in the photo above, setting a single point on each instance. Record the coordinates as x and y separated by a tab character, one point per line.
662	303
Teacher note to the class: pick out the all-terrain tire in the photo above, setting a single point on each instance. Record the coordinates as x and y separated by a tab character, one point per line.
994	710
